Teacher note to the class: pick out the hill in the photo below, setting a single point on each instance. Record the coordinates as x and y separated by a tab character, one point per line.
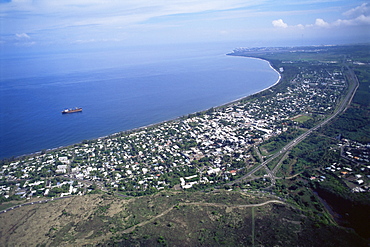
212	218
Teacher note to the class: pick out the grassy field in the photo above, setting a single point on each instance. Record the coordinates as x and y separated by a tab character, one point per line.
301	118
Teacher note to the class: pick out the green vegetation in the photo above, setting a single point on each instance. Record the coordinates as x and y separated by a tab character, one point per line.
184	181
302	118
276	143
353	124
176	218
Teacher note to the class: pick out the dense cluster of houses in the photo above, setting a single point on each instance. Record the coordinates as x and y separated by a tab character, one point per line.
201	148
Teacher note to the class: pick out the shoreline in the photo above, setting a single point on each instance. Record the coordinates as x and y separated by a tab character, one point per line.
277	81
153	124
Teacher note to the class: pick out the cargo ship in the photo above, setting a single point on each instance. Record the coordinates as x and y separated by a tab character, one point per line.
77	109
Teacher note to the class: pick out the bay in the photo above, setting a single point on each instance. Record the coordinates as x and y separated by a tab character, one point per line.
118	91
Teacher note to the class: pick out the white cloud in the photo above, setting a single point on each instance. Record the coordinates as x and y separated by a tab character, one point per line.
116	7
279	23
94	21
321	23
363	9
23	39
357	20
22	36
112	14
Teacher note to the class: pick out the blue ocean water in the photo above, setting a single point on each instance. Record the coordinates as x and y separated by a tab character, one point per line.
118	91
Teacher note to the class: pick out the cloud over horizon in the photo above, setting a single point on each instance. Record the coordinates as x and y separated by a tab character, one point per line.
360	17
279	23
363	9
55	24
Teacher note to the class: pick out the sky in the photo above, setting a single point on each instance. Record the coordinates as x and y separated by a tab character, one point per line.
70	25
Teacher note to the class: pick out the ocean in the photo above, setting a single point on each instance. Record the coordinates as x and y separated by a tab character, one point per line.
118	91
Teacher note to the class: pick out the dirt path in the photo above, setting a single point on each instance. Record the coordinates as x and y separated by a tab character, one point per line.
128	230
209	204
230	206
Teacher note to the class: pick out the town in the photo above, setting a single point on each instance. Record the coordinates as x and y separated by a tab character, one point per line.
202	149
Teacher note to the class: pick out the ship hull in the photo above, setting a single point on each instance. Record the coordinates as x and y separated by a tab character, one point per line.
72	110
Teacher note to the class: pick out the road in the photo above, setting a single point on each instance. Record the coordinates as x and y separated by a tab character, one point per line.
31	203
343	105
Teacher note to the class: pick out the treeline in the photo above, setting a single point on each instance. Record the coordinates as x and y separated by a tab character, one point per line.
362	96
313	152
277	142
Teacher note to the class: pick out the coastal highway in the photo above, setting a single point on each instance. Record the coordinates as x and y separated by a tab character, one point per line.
353	84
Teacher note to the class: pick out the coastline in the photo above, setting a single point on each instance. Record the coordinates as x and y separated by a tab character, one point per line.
152	124
277	81
217	106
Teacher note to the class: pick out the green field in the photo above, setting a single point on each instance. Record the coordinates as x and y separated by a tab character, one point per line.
301	119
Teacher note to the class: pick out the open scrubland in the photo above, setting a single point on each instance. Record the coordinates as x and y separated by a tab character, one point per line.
167	219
